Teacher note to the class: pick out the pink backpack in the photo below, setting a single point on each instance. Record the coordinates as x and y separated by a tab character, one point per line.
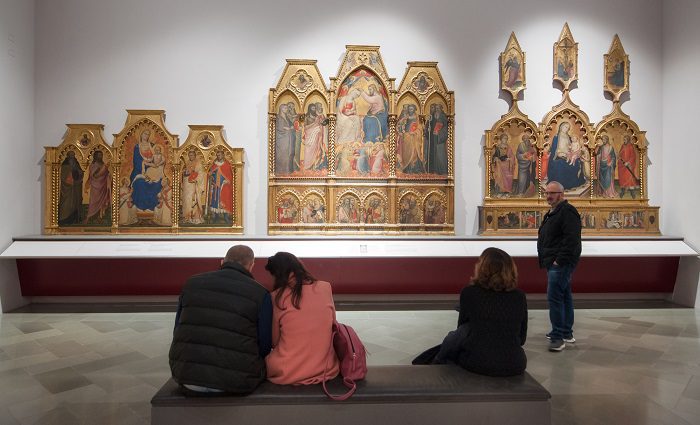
353	358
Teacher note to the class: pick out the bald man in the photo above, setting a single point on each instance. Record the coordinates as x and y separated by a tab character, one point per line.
558	251
223	329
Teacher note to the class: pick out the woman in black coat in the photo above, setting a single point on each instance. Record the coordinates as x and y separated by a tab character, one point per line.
492	324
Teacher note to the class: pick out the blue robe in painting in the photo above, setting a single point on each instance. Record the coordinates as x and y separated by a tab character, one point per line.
145	194
558	169
376	127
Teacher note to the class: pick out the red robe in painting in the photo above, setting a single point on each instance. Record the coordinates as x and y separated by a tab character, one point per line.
221	187
627	155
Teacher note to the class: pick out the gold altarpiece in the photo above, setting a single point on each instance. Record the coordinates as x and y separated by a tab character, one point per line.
360	156
602	167
144	183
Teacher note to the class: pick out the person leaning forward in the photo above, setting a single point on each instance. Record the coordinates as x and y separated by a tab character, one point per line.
559	250
223	329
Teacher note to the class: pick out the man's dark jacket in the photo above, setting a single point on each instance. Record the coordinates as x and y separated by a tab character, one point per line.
559	237
215	342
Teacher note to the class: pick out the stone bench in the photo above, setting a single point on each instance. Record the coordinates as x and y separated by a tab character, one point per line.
389	395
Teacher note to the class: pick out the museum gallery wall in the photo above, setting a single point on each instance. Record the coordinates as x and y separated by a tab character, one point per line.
361	156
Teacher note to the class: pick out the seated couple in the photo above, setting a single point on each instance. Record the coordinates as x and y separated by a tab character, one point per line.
492	324
231	333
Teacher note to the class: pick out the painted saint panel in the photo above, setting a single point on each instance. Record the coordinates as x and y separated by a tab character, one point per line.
375	210
362	127
434	209
193	188
220	190
98	190
287	137
313	210
409	209
514	162
288	209
349	210
567	159
435	134
312	158
70	198
410	152
616	164
145	153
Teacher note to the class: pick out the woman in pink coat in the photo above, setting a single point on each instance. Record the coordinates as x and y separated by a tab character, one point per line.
302	316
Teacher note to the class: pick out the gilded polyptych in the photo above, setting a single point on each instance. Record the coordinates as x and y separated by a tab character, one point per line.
144	182
210	181
356	143
79	182
602	168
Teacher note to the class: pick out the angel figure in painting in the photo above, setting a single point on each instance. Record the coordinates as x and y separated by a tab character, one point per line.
162	214
127	209
99	188
512	73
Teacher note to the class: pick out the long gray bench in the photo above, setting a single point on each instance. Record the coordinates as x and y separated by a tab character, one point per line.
389	395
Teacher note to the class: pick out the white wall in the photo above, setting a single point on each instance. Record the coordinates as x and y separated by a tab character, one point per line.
19	165
212	62
681	150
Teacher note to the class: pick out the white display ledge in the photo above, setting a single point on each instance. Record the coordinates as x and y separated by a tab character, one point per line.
215	247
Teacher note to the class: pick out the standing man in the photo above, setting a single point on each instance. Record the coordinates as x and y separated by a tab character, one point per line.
223	329
558	250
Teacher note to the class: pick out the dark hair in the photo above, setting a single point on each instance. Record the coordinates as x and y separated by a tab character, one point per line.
282	266
495	270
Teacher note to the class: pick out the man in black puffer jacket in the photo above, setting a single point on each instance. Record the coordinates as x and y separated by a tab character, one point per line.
558	250
223	329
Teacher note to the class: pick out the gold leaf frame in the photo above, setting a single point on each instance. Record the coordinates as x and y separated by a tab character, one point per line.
83	140
423	82
207	153
599	216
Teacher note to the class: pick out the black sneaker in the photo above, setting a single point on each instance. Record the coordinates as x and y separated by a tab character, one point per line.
569	340
557	345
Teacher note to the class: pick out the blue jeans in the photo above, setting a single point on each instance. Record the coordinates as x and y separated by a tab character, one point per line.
561	304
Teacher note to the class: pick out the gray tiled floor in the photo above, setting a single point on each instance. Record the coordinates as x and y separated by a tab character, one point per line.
627	366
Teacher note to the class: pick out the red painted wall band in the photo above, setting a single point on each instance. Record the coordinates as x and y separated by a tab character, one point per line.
94	277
